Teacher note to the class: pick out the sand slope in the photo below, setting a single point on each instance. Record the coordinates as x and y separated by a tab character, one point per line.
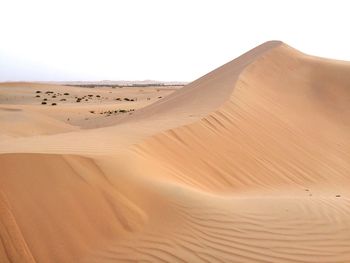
249	163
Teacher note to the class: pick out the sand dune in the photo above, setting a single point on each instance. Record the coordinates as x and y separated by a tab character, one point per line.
249	163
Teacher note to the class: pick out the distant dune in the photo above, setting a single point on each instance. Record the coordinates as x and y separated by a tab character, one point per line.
102	83
250	163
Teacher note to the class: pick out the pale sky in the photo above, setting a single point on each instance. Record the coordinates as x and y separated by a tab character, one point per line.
178	40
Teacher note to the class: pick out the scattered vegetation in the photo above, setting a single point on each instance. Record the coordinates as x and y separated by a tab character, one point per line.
110	112
86	98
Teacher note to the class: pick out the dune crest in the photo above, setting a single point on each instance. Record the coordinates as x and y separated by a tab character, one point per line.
249	163
277	120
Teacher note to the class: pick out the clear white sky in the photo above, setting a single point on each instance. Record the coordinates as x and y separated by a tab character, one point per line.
157	39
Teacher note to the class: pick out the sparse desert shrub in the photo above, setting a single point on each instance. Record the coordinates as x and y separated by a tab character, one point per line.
54	104
148	98
159	97
126	99
92	111
53	96
37	96
62	99
43	103
78	100
38	91
66	93
122	111
98	96
45	99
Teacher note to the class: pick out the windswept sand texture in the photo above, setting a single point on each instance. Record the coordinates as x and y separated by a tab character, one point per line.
250	163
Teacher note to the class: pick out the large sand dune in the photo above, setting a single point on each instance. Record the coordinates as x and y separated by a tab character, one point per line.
250	163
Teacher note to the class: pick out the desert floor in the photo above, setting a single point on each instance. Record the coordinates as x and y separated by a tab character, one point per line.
250	163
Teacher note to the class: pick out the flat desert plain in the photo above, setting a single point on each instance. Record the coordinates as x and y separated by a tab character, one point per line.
249	163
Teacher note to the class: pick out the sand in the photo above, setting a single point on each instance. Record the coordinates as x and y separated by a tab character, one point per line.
249	163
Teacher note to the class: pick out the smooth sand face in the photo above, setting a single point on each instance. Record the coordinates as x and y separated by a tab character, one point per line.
249	163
